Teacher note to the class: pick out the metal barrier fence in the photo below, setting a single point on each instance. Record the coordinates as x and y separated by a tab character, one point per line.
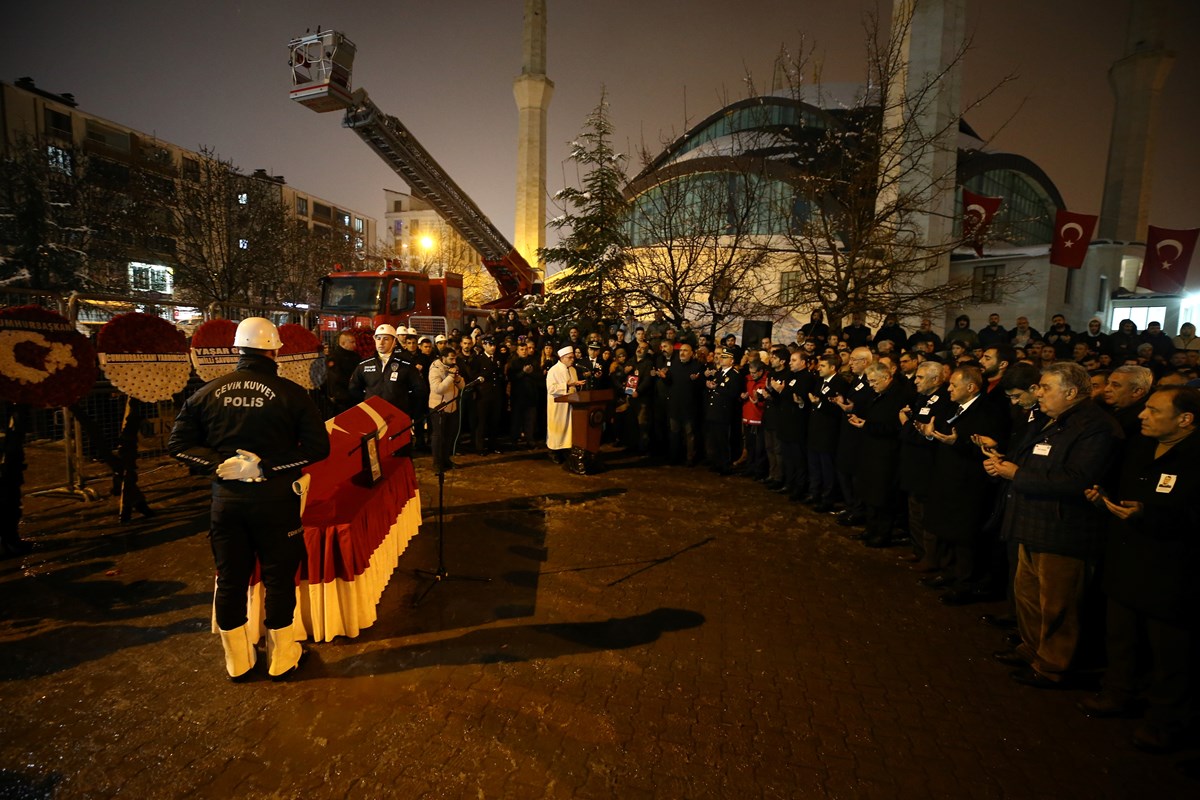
89	431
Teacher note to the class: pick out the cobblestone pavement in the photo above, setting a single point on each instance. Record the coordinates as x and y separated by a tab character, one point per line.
648	632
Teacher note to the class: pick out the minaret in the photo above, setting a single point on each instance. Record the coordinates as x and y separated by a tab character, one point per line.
532	90
1137	80
926	166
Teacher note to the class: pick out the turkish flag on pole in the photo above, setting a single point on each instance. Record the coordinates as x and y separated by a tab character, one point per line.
1168	254
1072	235
978	210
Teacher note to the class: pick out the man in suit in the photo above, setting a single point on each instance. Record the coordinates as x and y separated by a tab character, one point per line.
964	494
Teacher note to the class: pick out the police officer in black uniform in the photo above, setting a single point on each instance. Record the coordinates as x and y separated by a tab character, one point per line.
489	396
255	430
386	374
724	406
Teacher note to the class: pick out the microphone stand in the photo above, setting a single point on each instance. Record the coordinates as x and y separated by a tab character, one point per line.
438	576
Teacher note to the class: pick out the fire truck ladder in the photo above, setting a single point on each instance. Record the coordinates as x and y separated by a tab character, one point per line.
396	145
322	64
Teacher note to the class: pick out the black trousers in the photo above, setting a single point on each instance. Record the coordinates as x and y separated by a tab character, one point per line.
488	400
248	526
443	426
1172	669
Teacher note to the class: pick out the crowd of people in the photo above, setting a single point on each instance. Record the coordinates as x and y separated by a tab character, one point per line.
1010	465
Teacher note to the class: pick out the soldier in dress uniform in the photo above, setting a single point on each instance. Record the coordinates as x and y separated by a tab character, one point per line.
489	396
722	411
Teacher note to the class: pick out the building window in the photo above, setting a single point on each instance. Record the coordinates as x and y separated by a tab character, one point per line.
243	244
60	160
107	137
191	170
1102	294
302	206
1069	288
358	225
343	218
322	212
789	287
145	277
1141	316
243	198
985	284
58	123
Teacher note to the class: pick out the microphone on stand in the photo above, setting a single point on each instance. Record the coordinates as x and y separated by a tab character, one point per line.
475	382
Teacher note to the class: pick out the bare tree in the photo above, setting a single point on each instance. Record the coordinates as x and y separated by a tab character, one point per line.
61	221
698	251
857	243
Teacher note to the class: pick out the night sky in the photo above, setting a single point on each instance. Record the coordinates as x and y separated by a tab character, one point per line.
215	73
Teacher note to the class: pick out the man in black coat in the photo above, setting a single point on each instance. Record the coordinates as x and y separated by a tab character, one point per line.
1125	395
339	366
915	468
1060	533
722	412
849	445
790	396
824	426
489	397
962	499
525	391
879	421
685	385
1150	571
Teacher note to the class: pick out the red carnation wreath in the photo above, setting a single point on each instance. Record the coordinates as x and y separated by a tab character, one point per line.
300	348
144	356
213	353
44	361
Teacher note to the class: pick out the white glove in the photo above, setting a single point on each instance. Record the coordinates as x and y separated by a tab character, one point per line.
242	467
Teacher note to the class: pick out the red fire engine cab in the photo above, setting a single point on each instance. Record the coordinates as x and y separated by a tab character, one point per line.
392	296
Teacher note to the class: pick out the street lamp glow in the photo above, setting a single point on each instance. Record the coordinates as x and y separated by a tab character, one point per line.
426	243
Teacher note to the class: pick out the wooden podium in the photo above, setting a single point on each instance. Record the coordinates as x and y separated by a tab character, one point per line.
587	422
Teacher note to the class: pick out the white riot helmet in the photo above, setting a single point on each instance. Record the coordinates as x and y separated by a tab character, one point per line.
385	329
257	333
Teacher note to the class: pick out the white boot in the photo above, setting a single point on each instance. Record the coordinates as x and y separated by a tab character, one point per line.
283	652
240	655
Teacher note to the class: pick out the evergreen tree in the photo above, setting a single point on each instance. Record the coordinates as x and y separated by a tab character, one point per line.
594	256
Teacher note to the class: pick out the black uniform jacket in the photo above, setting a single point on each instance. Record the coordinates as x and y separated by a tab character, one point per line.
256	410
724	401
397	382
1152	557
793	406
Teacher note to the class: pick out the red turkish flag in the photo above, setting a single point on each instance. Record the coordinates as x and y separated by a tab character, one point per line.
1168	254
1072	235
978	210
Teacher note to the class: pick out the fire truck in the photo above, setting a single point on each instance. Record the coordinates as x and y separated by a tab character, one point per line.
321	65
